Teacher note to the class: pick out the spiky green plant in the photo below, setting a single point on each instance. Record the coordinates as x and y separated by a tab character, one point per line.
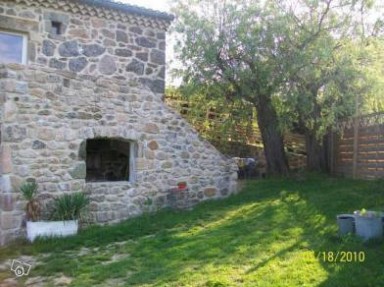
33	207
69	206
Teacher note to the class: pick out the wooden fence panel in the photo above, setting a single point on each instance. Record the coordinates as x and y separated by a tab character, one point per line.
359	148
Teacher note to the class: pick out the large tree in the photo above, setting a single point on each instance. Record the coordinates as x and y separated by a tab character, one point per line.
237	46
263	51
328	74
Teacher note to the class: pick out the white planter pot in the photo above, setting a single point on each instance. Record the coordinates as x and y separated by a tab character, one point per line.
51	228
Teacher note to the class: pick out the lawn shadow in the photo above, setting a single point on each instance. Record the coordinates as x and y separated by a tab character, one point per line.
245	234
328	201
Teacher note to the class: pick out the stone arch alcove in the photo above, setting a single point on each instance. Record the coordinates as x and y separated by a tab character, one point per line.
108	159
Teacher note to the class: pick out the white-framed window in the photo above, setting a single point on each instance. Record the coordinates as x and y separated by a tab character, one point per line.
13	47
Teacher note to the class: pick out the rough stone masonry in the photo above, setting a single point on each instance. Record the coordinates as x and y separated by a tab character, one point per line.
95	70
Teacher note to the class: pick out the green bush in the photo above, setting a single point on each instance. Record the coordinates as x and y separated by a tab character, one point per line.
33	207
69	206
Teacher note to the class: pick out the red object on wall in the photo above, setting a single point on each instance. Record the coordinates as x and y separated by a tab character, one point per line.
182	185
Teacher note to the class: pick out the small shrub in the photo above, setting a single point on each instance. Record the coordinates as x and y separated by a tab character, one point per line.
69	206
33	207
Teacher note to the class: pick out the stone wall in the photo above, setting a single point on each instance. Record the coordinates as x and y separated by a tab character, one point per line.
88	45
48	114
96	78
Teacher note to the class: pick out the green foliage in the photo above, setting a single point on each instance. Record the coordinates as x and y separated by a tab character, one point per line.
33	206
233	49
29	190
69	206
296	59
371	65
327	74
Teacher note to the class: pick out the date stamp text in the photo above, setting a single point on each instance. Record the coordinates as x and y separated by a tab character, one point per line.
341	256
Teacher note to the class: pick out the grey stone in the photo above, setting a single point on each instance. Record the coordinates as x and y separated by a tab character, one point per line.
93	50
148	71
160	36
38	145
135	66
69	49
27	14
83	150
48	48
77	64
149	33
44	113
14	134
184	155
161	73
108	33
56	64
107	65
123	52
79	171
121	36
121	27
157	57
156	86
66	83
42	60
136	30
17	87
145	42
142	56
76	22
224	191
31	51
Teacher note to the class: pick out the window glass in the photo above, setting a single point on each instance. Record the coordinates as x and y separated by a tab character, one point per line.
11	48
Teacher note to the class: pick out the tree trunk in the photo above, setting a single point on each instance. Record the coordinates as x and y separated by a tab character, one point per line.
316	148
316	152
277	163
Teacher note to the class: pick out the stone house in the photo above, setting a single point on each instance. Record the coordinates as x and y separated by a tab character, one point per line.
81	89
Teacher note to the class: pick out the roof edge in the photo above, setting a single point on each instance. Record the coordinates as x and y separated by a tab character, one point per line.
128	8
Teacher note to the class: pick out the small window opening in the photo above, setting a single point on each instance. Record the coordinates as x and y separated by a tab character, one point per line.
56	28
107	160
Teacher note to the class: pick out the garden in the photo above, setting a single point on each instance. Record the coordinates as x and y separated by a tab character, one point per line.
253	74
275	232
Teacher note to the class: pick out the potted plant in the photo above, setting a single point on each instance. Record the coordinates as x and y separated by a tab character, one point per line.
33	206
368	224
66	210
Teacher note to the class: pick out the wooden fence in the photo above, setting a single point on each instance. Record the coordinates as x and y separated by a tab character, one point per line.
243	141
358	150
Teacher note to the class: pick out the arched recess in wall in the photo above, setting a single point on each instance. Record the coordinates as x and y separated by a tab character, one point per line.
108	159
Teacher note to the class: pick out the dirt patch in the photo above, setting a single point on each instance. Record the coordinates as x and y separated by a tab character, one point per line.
115	258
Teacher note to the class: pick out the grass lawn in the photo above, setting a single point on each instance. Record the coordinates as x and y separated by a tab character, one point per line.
273	233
